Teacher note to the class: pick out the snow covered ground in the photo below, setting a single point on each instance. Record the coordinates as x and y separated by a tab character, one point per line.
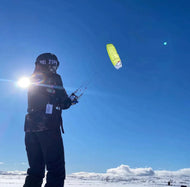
122	176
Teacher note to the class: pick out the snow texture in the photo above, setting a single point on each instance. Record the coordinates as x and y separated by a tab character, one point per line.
115	177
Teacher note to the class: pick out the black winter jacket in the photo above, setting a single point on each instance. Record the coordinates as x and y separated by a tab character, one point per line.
46	99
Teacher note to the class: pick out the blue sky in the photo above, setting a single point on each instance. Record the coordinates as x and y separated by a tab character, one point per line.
138	115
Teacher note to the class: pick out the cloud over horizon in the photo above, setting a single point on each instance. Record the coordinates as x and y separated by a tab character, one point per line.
124	173
123	170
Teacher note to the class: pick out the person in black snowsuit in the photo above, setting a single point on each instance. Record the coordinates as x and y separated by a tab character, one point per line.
43	123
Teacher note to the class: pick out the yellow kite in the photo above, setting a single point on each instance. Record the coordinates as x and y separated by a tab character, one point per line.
114	57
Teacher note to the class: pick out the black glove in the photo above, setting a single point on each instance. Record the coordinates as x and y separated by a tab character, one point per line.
73	98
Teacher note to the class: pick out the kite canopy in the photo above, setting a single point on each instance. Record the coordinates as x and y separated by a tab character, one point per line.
114	57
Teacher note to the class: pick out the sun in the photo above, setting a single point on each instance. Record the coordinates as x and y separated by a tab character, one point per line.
23	82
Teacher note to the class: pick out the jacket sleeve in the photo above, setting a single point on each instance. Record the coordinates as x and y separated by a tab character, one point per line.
65	101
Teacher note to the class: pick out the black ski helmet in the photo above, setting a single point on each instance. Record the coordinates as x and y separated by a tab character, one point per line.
49	61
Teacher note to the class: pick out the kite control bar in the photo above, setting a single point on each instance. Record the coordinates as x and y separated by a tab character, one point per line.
79	92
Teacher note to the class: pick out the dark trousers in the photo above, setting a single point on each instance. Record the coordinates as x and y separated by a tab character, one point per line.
45	149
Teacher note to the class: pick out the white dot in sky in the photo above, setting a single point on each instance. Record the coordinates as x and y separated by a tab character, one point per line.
165	43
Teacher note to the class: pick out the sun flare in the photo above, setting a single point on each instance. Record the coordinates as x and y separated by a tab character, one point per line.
23	82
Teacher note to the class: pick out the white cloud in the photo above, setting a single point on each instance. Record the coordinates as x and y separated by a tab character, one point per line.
125	170
13	172
181	172
124	173
1	163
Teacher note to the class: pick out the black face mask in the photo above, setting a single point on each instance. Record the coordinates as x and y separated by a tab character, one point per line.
52	68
